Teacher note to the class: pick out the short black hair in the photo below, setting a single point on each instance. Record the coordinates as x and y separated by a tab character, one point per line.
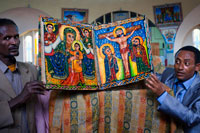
6	21
192	49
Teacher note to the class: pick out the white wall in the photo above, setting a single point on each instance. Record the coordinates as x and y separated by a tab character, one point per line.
97	7
27	18
183	36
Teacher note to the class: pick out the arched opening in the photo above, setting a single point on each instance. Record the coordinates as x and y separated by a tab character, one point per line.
188	32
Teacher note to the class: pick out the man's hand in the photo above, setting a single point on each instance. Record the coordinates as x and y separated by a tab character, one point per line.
155	85
31	88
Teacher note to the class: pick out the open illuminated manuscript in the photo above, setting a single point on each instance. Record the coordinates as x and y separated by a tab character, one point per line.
88	57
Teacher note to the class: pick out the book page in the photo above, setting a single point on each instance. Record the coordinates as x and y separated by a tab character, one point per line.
122	52
67	55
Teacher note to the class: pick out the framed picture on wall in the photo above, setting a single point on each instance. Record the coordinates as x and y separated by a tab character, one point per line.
168	14
74	15
120	15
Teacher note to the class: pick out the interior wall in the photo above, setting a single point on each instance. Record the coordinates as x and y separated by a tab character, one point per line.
190	21
97	7
27	18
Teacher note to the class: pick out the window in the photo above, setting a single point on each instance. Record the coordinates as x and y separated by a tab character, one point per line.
196	38
28	49
29	41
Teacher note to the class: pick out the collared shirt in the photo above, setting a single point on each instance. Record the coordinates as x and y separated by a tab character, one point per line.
186	85
13	77
16	83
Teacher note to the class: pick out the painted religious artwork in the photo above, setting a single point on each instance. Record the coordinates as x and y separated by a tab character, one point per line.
86	57
67	55
169	34
120	15
168	15
122	52
75	15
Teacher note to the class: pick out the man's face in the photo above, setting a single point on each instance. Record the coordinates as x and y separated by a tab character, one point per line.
70	38
9	41
185	65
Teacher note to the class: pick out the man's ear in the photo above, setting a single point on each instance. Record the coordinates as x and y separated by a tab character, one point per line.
197	67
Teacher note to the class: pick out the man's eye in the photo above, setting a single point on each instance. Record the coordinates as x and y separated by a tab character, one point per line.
7	38
187	63
177	62
17	37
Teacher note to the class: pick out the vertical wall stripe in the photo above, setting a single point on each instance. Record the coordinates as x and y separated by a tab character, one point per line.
135	110
95	111
107	110
88	113
101	111
115	110
57	114
74	114
121	111
128	110
142	111
66	114
81	114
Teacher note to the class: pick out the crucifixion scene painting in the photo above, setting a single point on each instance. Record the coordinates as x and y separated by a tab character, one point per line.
122	51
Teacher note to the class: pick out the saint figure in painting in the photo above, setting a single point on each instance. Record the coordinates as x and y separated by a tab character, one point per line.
54	57
87	39
138	54
88	57
121	38
110	62
75	65
49	36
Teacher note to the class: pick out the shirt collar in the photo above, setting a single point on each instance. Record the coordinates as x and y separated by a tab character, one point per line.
4	67
188	82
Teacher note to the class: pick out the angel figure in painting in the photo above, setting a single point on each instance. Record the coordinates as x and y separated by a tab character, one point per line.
138	54
87	39
121	38
75	65
110	62
88	57
49	36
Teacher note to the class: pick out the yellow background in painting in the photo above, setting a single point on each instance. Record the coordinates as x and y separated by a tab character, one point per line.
133	67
